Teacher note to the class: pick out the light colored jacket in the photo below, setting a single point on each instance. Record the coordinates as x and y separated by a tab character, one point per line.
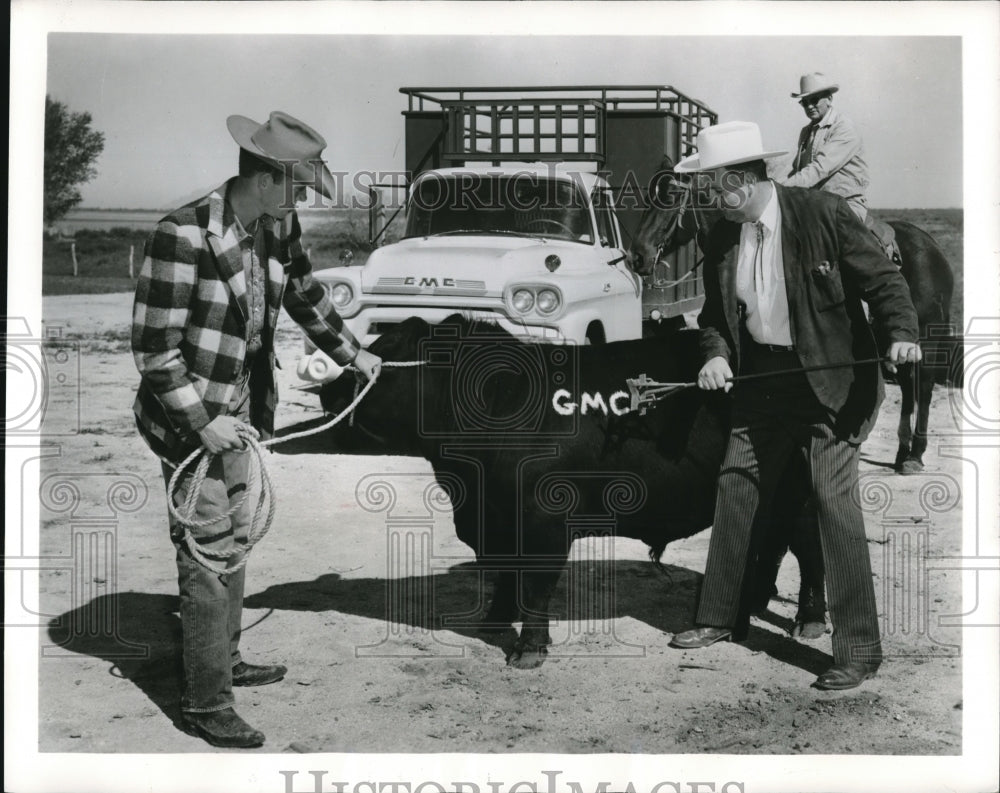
837	164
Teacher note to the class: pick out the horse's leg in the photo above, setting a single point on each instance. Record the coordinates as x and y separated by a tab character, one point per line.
914	463
795	509
904	432
774	531
810	619
777	529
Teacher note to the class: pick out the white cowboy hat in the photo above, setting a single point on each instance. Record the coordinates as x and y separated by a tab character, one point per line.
815	83
726	144
286	139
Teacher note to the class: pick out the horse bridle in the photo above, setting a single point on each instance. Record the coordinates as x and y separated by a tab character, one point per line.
686	206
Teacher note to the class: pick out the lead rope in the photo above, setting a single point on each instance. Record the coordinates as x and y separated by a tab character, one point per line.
256	477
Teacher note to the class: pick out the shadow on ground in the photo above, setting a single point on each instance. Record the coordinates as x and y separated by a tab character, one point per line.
454	599
137	633
144	645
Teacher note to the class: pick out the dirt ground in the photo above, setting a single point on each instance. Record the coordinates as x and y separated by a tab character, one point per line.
348	590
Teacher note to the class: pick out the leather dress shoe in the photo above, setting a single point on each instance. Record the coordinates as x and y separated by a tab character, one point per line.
700	637
245	674
224	728
843	676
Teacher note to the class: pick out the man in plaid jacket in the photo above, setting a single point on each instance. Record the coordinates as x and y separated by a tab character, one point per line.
215	275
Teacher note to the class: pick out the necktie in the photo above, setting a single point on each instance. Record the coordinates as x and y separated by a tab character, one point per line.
758	259
807	150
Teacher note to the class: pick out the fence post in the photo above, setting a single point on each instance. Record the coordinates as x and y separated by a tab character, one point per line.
131	253
72	250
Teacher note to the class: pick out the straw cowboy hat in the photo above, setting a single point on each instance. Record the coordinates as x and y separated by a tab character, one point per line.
286	139
726	144
815	83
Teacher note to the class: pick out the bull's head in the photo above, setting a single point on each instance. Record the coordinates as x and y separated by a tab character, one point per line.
385	420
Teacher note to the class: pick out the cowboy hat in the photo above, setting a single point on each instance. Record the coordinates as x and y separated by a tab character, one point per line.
285	139
726	144
815	83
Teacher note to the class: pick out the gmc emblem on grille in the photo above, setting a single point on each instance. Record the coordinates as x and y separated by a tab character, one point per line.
412	281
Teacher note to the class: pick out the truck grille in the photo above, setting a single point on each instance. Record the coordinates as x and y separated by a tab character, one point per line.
379	327
429	286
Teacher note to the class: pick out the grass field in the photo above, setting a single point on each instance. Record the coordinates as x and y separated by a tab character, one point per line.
103	256
102	261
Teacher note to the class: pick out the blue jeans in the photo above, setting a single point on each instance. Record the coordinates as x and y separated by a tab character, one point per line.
211	605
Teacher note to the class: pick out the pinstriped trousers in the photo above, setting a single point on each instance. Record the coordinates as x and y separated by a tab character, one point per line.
770	424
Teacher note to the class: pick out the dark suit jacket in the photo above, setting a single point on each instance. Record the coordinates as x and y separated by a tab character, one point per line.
832	263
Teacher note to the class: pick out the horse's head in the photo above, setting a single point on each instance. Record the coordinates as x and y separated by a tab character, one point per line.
661	229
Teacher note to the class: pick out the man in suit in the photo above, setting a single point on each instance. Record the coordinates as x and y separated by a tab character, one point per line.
786	271
215	275
830	153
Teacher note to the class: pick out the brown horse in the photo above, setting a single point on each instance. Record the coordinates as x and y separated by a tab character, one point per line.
677	214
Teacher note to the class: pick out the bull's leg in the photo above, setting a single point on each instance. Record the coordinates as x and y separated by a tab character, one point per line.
530	649
914	462
810	620
503	605
904	432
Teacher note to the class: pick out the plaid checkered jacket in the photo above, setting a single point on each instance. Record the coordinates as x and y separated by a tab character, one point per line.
189	322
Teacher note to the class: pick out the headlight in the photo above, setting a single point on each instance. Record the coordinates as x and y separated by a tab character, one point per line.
342	294
522	301
547	301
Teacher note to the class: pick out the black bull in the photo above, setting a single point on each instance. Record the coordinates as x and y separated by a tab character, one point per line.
533	442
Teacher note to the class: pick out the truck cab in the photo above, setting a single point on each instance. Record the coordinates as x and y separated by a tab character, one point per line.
514	213
534	248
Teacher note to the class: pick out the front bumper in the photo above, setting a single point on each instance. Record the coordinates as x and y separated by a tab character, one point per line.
316	367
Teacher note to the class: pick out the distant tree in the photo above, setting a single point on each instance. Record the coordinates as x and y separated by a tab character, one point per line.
71	149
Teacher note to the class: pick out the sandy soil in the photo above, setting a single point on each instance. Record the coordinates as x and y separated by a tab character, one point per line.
350	594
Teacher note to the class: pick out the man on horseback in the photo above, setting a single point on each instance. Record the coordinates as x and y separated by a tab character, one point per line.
830	155
830	152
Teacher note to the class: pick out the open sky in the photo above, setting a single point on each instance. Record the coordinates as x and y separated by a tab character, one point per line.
162	100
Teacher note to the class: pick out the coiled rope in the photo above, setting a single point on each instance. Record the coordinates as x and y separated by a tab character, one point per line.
257	477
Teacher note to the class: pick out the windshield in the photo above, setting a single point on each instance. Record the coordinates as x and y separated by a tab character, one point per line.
523	205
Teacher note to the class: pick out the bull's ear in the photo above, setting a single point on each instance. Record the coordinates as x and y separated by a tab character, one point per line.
456	319
416	326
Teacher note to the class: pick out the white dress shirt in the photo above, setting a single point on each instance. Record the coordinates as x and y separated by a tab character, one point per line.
760	277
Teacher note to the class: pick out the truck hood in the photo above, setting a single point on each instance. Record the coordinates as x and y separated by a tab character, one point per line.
463	265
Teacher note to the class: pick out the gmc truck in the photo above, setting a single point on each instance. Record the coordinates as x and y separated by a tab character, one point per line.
520	206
